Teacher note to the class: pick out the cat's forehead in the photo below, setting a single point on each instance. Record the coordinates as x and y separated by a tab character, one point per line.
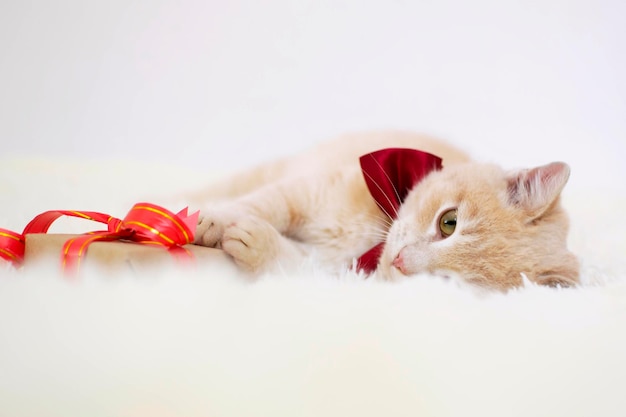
459	183
469	176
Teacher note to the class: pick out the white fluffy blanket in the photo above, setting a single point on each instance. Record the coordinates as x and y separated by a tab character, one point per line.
212	344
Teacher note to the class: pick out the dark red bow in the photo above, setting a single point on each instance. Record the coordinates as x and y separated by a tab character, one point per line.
390	174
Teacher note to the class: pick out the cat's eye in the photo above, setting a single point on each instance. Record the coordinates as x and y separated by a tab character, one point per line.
447	223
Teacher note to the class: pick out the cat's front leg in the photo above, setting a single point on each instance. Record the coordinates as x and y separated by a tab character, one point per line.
253	228
256	246
253	242
272	204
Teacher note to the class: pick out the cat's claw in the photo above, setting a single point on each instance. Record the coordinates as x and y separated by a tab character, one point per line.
209	232
252	242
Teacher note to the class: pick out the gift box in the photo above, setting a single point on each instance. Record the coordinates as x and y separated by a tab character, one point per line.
149	236
119	255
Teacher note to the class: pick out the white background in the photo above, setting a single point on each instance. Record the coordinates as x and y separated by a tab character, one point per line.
221	84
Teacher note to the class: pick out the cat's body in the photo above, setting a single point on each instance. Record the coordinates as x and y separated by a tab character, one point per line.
317	204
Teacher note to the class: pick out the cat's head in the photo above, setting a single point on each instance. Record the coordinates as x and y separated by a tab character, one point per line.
486	226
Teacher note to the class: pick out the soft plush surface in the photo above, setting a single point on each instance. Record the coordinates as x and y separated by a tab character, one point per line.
213	344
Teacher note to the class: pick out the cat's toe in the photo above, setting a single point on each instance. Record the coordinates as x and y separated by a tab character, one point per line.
252	243
209	232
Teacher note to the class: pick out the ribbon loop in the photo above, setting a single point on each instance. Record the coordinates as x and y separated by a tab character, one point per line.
113	224
12	246
42	222
156	224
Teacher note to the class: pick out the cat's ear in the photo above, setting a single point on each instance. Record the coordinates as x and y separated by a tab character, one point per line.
535	190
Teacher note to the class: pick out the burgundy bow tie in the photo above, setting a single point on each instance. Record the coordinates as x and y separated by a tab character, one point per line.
390	174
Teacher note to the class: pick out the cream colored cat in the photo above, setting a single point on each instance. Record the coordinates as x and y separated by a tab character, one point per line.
470	220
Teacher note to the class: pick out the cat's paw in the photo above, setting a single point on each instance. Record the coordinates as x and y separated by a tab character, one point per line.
253	243
210	229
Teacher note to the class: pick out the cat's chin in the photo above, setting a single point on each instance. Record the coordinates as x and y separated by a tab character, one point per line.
391	273
442	275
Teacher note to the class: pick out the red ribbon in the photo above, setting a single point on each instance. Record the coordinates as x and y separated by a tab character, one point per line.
145	223
390	174
12	246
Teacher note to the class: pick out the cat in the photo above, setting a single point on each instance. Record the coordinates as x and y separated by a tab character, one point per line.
469	221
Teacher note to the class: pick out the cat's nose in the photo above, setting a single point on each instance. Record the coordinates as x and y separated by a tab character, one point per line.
399	262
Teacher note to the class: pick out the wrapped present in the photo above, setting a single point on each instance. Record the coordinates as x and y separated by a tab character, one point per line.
118	255
148	235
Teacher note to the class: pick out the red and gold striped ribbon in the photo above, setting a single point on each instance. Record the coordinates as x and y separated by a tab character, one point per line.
12	246
145	223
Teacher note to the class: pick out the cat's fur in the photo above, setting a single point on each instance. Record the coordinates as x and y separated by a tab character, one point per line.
317	204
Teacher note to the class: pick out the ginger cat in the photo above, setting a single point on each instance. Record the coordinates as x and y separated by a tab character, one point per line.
469	221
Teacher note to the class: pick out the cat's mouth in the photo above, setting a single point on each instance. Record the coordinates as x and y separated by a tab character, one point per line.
399	267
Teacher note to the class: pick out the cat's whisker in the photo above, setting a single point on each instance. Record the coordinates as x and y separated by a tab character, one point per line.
388	179
382	223
370	220
386	197
371	227
387	222
373	239
380	234
376	233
